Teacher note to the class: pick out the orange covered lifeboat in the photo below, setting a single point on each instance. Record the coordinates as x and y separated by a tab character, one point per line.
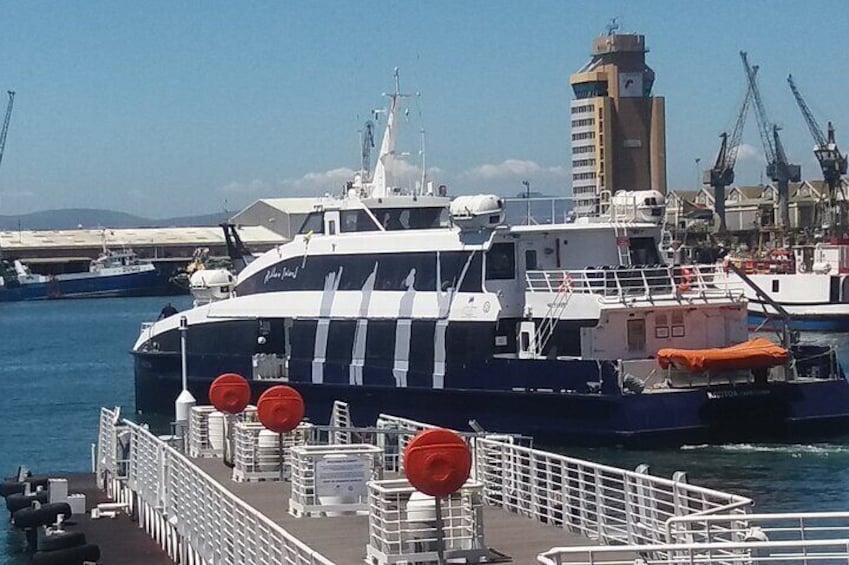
757	353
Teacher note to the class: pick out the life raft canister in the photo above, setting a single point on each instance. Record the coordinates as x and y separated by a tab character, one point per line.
437	462
280	409
230	393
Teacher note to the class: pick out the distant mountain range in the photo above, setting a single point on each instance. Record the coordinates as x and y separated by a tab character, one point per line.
86	218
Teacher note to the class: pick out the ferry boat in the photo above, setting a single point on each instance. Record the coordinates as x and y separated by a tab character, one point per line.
114	273
808	283
439	310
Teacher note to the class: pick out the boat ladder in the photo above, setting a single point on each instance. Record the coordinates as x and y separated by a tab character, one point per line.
552	316
620	230
340	419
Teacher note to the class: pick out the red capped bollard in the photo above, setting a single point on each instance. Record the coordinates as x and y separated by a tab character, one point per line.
230	393
280	409
437	462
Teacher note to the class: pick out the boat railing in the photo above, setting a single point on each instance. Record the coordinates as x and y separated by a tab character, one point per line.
779	527
607	504
540	210
805	552
644	282
192	517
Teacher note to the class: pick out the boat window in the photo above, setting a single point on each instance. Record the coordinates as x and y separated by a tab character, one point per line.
643	251
395	219
400	271
357	220
412	218
531	260
331	227
636	335
451	265
501	262
313	223
774	285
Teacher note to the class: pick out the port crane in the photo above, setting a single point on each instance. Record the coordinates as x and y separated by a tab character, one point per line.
5	129
721	174
831	160
778	169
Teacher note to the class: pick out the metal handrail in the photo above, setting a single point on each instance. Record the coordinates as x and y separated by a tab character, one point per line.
726	528
618	283
176	495
725	553
600	502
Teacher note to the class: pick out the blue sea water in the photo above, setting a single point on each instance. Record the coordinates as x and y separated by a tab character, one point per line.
60	361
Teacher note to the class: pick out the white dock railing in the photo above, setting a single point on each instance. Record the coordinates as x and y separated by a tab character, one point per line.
804	526
617	283
611	505
638	517
810	552
194	518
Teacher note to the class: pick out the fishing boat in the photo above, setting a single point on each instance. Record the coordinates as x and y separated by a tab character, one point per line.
807	284
441	310
115	273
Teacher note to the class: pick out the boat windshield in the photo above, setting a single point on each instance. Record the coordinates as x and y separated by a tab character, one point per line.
412	218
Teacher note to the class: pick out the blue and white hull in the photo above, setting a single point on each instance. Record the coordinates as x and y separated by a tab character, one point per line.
90	285
815	302
550	413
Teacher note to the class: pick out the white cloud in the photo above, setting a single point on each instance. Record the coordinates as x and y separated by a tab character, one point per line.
746	152
251	187
325	181
513	168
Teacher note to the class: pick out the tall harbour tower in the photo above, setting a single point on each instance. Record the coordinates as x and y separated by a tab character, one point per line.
618	127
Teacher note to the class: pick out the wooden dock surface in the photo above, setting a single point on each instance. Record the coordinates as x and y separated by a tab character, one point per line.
343	539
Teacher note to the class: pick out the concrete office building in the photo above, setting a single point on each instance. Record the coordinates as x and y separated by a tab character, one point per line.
618	127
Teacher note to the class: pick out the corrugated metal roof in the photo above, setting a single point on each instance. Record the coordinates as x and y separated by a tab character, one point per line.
289	205
132	237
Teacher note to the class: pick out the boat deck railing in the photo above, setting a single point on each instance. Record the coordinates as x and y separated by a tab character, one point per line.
618	284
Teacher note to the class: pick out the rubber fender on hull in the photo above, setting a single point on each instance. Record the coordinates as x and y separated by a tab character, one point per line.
61	540
69	556
14	487
15	502
34	517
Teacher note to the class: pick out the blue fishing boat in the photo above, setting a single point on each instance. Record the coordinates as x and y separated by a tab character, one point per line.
114	273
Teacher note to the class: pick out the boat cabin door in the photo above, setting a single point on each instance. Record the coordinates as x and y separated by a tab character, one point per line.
331	222
527	338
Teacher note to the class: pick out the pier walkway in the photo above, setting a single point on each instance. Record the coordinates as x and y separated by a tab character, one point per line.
519	503
342	539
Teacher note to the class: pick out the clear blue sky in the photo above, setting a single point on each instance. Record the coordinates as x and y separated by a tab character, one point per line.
167	108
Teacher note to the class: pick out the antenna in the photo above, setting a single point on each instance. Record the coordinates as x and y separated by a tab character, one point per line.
612	26
423	188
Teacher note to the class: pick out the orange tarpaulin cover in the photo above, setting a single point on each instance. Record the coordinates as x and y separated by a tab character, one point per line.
757	353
